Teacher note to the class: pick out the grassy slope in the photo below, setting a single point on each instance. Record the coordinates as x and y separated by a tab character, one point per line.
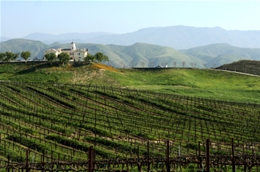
193	82
33	72
219	54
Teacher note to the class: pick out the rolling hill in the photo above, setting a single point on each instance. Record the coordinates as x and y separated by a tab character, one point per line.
244	66
212	84
146	55
219	54
136	55
19	45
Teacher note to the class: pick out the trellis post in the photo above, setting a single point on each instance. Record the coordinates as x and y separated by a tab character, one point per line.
148	156
233	158
207	156
27	161
168	156
90	159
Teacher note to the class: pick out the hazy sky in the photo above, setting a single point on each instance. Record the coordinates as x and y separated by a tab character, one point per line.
20	18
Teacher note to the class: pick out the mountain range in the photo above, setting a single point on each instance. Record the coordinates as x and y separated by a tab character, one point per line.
145	55
177	37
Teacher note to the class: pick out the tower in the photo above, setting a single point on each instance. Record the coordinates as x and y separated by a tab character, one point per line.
73	46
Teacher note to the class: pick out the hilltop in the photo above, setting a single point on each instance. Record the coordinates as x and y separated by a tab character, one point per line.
245	66
219	54
205	83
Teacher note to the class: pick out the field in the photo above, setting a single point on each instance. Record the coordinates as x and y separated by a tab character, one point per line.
60	122
211	84
55	121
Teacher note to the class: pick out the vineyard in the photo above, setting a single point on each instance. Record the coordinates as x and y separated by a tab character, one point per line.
54	122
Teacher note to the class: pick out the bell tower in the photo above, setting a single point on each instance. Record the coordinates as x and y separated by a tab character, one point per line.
73	46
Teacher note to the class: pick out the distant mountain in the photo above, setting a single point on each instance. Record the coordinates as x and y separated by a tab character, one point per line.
63	38
178	37
219	54
2	39
183	37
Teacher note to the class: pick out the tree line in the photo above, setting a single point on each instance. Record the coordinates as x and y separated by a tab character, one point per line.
8	56
62	57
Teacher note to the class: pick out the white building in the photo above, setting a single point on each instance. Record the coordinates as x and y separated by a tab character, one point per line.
74	53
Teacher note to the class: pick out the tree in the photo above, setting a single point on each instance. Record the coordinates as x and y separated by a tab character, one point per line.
89	58
183	64
50	57
64	58
9	56
25	55
2	56
100	57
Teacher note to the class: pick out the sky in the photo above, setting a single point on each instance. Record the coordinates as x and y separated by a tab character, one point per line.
21	18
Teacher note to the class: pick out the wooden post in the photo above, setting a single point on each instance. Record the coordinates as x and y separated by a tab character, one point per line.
148	156
233	158
207	156
168	156
8	163
27	161
90	159
200	163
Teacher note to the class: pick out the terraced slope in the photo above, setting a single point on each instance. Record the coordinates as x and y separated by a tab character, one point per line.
60	122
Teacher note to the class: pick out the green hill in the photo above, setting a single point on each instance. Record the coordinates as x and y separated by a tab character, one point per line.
137	55
19	45
245	66
57	112
146	55
219	54
191	82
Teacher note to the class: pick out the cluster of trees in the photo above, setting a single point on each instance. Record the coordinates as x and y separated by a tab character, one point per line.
64	57
8	56
98	57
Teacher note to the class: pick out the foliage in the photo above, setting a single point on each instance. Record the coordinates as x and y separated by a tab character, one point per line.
25	55
64	58
2	56
8	56
50	57
89	58
98	57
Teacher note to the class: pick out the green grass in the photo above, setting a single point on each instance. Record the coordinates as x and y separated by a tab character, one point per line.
191	82
34	72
